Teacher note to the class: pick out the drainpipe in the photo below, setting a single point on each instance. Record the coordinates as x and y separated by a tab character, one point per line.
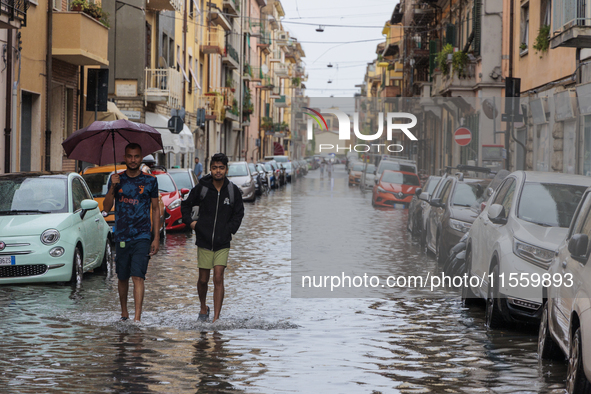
184	52
243	140
8	117
14	103
48	78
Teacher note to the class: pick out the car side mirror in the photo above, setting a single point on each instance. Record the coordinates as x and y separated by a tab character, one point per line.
577	246
489	192
436	202
424	196
87	205
418	191
497	214
184	191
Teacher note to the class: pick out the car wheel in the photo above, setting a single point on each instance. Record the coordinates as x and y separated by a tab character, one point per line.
576	382
77	269
107	257
163	234
426	242
494	319
468	296
547	348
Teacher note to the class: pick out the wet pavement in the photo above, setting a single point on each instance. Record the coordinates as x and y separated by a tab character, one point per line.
59	339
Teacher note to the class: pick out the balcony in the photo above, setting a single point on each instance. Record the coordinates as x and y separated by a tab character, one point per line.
451	82
79	39
570	26
13	14
264	40
230	57
165	5
217	16
213	41
228	96
163	86
231	8
281	70
275	56
248	74
281	102
390	91
213	102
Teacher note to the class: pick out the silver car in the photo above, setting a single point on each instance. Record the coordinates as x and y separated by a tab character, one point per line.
239	174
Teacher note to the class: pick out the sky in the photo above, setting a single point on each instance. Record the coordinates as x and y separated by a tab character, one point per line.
349	60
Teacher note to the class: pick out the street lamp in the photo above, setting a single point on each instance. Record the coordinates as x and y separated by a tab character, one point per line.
320	29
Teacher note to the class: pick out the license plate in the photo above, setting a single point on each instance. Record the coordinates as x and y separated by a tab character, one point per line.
400	206
7	260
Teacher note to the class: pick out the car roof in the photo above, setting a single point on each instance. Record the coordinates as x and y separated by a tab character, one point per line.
107	168
179	170
402	172
237	162
48	174
556	177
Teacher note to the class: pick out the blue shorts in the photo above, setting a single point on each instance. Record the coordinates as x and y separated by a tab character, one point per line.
132	260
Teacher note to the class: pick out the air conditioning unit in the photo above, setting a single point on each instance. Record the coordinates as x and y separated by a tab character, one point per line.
584	98
538	108
282	36
565	104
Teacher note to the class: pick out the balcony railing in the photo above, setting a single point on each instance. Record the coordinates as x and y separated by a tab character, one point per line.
454	80
213	41
571	27
231	54
281	70
232	7
16	10
247	71
275	55
213	102
163	85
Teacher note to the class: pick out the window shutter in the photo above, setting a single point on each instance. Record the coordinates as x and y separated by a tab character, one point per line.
432	56
450	35
476	26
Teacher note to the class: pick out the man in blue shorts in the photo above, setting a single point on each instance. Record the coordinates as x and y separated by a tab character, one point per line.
133	193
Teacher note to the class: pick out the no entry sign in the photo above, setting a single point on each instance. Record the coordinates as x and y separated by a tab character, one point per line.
463	136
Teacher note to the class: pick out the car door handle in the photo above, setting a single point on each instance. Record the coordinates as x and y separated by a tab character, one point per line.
564	264
96	220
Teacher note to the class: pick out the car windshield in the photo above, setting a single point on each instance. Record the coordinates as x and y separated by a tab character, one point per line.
252	167
267	167
358	167
549	204
408	168
400	178
469	194
182	180
281	159
97	183
388	165
238	169
273	165
287	165
165	183
33	195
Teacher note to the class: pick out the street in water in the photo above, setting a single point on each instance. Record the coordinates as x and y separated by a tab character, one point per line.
62	339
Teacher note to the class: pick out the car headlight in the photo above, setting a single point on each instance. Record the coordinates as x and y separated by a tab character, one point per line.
534	254
247	184
175	204
460	226
50	236
381	190
57	251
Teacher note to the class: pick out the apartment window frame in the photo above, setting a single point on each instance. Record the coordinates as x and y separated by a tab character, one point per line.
524	28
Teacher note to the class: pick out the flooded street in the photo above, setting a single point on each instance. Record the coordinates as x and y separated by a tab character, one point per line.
59	339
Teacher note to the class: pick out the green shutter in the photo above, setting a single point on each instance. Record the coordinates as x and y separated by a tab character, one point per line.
450	35
267	109
432	56
476	26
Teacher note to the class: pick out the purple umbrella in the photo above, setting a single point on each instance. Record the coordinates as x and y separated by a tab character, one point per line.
104	142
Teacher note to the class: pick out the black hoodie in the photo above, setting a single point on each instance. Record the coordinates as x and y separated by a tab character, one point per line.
218	219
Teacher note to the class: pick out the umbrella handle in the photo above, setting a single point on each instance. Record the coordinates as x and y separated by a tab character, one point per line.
114	153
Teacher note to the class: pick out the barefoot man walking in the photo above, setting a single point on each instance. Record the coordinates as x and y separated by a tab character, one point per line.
133	192
220	214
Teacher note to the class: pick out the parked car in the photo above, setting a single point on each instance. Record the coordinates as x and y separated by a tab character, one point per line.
279	173
395	165
257	179
304	166
565	323
97	179
395	189
52	230
172	198
356	173
277	158
184	178
291	167
518	233
239	173
271	178
415	223
453	212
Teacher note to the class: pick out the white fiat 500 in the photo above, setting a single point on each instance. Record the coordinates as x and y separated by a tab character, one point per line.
51	229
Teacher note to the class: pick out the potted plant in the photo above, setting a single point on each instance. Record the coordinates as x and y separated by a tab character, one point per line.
79	5
442	56
523	46
458	62
542	42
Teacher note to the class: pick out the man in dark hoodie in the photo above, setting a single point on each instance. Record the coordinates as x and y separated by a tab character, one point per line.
220	214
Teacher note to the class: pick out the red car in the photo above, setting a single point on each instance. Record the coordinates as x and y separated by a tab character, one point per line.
395	188
172	198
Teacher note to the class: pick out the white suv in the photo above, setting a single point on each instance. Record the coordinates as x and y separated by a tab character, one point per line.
513	241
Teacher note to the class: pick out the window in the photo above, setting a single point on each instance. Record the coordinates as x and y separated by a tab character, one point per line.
545	12
500	197
190	74
171	60
523	45
581	215
78	194
164	49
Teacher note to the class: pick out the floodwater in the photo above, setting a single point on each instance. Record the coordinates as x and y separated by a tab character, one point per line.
58	339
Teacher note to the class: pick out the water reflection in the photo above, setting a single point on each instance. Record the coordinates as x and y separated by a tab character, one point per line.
131	372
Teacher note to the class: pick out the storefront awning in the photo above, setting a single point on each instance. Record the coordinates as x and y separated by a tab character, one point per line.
171	142
186	138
